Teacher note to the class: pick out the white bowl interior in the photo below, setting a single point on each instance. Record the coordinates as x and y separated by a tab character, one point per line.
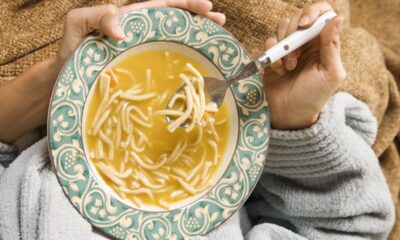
232	119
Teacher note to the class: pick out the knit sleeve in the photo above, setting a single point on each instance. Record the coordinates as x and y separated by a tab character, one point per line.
7	154
325	182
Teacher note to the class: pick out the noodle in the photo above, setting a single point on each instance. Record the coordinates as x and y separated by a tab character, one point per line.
139	161
139	121
100	150
112	98
179	172
211	107
166	54
112	75
214	145
212	126
161	175
137	201
100	122
181	119
148	78
119	107
132	97
176	194
146	182
195	180
123	117
163	97
113	172
187	158
125	160
135	148
124	189
161	180
179	153
111	152
220	122
186	186
125	72
122	166
169	112
194	97
174	98
140	113
118	135
178	150
204	174
199	136
112	177
163	204
146	191
105	139
147	160
197	168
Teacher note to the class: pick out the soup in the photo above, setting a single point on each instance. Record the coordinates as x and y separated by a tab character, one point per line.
129	143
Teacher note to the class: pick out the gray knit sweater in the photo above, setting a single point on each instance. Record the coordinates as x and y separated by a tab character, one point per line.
319	183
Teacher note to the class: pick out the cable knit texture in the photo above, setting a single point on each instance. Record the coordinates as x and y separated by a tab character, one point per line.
7	154
325	182
319	183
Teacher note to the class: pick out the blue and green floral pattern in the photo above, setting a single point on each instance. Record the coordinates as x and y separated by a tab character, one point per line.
65	128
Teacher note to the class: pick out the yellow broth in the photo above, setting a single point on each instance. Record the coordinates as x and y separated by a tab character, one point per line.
165	69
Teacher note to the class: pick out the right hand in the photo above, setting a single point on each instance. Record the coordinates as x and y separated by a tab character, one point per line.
299	85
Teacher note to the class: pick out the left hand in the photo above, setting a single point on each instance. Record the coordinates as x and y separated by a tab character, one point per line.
80	22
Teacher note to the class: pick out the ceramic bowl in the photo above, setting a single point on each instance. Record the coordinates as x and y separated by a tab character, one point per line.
222	56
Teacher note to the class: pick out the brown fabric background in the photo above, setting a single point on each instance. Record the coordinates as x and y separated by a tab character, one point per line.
30	31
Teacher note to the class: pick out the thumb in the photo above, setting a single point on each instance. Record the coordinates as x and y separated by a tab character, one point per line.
82	21
79	22
330	51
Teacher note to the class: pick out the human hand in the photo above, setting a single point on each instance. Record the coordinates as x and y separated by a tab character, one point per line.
80	22
299	85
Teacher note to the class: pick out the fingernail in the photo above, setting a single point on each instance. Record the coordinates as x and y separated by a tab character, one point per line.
291	64
304	20
339	25
118	31
210	5
281	72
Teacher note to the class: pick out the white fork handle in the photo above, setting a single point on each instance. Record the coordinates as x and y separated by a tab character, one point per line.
295	40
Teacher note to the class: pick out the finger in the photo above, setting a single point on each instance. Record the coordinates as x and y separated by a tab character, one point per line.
294	22
109	23
312	12
82	21
79	22
276	67
330	50
290	60
202	7
196	6
282	28
217	17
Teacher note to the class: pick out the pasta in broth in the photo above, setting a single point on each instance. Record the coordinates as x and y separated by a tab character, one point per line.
127	136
